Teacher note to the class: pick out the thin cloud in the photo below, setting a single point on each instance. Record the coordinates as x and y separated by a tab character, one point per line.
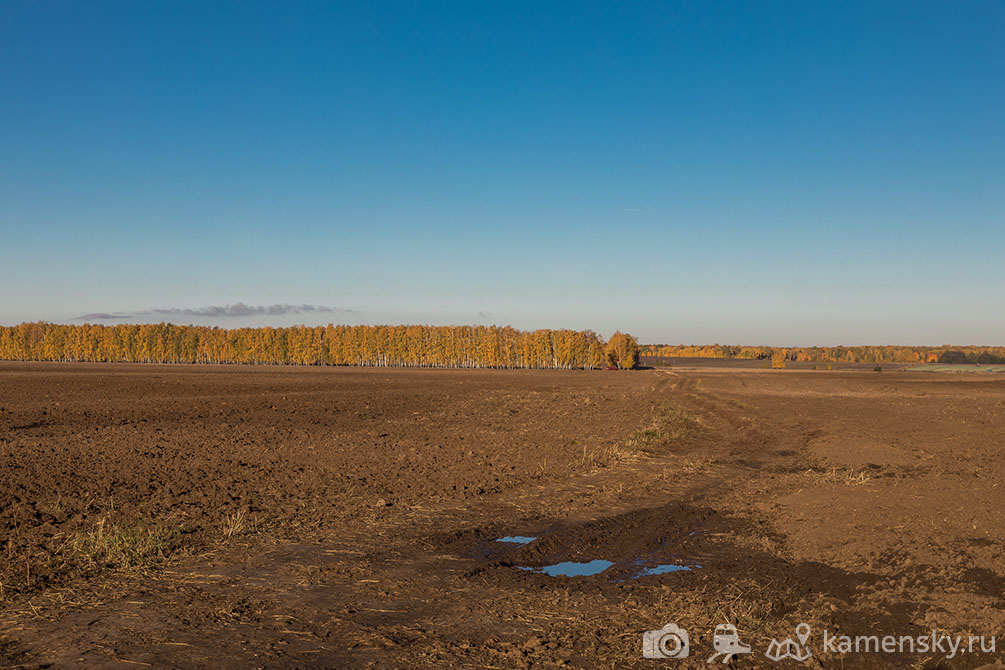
100	316
238	309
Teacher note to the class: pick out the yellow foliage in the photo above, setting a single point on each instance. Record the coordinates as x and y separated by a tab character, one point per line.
622	351
860	354
410	346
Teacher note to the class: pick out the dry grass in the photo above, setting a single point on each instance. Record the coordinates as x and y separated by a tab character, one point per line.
117	546
739	404
234	524
840	476
687	468
670	425
105	547
605	456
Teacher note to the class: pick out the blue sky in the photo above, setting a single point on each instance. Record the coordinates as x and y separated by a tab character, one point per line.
768	173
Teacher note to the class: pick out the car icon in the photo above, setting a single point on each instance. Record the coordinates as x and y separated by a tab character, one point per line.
726	642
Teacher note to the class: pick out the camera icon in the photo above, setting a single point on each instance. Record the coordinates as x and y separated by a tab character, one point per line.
671	641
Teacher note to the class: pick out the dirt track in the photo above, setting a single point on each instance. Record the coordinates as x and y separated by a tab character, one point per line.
348	518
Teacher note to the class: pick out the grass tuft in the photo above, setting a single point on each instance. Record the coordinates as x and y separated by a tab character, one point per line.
671	424
119	546
234	524
835	475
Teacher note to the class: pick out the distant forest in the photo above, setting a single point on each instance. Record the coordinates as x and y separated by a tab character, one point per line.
863	354
405	346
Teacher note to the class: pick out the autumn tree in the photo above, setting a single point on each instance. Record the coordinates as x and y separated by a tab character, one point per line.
622	351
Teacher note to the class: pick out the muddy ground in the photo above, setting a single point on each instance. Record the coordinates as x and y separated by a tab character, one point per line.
240	517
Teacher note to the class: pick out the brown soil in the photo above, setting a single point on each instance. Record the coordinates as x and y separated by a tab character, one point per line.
176	516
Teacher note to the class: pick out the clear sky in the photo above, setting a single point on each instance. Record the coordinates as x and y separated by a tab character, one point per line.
786	173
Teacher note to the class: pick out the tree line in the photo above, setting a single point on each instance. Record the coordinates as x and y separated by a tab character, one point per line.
860	354
404	346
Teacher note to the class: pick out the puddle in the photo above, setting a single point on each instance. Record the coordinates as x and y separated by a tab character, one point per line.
636	570
662	570
572	569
